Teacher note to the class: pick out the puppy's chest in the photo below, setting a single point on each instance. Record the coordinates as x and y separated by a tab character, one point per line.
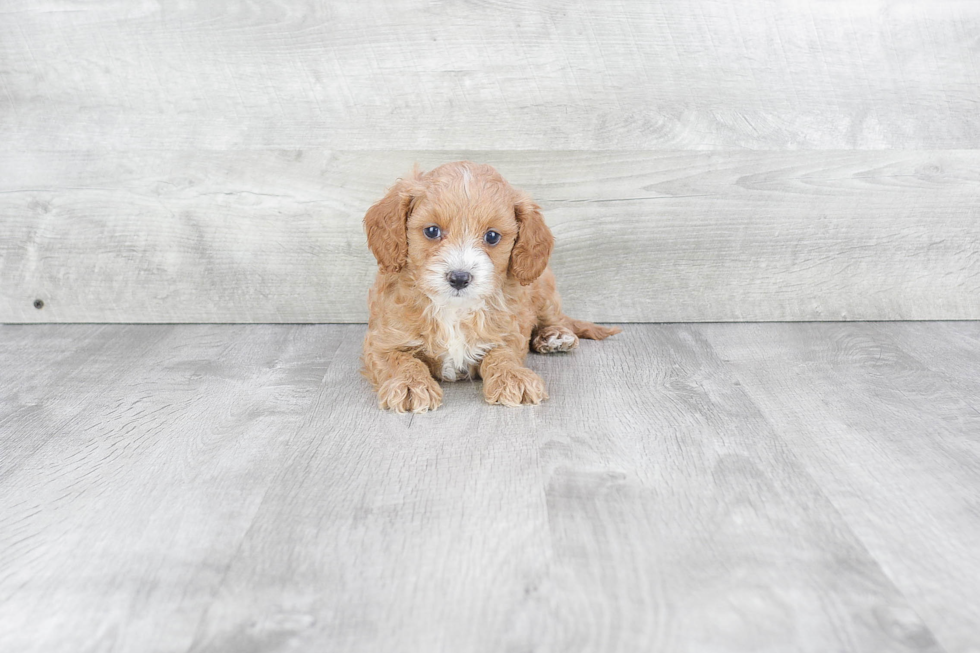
457	348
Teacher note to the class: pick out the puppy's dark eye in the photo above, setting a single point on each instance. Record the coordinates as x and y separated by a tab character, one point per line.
432	232
491	238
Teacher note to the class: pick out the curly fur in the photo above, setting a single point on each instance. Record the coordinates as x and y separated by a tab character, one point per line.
422	329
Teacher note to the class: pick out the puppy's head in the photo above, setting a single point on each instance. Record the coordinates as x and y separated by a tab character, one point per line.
460	229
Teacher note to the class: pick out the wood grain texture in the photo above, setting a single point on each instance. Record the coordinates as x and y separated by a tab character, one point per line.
276	236
147	459
885	417
385	532
234	488
489	74
699	161
669	492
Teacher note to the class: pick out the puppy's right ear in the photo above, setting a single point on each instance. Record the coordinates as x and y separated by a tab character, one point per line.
385	223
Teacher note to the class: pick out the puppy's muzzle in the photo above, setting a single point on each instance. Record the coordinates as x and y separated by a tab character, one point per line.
459	279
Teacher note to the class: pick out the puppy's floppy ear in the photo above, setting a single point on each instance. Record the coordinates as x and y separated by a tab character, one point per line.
530	255
385	222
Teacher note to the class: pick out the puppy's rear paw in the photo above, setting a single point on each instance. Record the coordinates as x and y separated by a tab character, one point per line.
416	394
551	339
513	387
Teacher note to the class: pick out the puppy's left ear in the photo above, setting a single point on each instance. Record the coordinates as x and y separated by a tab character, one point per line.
534	242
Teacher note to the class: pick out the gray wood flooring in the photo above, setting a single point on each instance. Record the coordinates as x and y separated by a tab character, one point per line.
716	487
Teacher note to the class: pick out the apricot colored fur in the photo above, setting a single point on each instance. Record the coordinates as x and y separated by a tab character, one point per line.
418	332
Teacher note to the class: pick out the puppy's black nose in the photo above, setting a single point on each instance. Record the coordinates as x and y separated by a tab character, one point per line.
459	279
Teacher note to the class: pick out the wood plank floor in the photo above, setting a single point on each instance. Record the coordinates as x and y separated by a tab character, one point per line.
716	487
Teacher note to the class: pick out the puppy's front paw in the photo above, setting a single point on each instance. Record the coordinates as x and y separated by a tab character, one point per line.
513	387
554	338
414	393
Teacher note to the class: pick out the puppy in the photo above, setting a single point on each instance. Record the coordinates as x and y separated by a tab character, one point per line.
463	288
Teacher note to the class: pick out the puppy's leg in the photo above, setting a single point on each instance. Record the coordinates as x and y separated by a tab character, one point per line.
552	330
403	382
551	338
506	381
555	331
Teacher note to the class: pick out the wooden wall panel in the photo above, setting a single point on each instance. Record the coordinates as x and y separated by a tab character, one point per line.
699	160
276	236
490	74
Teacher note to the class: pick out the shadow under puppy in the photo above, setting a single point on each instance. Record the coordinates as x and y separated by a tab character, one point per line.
463	288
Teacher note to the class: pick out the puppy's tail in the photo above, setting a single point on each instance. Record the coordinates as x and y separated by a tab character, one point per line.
591	331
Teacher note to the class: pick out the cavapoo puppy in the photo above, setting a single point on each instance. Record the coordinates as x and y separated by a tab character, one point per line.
463	289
